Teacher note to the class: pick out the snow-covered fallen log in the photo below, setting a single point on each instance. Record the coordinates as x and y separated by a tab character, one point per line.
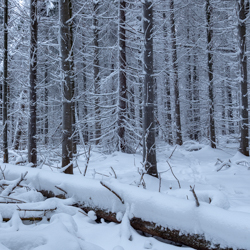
203	227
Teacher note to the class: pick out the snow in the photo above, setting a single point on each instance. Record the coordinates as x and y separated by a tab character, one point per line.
223	215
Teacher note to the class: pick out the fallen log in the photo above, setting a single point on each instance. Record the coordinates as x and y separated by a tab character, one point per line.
158	214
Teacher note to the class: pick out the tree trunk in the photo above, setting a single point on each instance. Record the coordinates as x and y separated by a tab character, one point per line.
5	85
176	77
46	111
65	48
149	148
122	76
243	9
32	147
96	75
210	73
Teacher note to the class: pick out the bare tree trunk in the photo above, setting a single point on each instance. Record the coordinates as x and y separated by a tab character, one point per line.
149	148
167	88
210	73
122	76
46	96
243	9
32	147
65	47
5	86
176	77
96	75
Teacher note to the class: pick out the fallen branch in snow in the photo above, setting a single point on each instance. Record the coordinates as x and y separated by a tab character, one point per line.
16	200
61	189
172	152
174	174
112	192
27	219
37	210
114	172
17	184
224	164
195	196
2	171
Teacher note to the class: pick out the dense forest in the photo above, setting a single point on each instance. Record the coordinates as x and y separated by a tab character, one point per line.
117	74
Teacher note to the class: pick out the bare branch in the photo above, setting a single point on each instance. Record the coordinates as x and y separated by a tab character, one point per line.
112	192
174	174
195	196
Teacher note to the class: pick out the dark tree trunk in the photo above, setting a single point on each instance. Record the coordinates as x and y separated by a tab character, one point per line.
96	75
176	77
210	73
46	111
122	76
65	48
32	148
243	9
149	149
5	85
167	87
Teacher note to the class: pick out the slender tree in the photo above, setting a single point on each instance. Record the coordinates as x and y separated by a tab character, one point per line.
243	9
32	147
210	72
176	77
149	148
5	85
65	50
122	76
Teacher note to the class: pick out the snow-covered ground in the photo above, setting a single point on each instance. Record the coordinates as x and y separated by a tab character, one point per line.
224	196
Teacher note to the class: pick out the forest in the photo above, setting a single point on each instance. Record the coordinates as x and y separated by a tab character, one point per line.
124	125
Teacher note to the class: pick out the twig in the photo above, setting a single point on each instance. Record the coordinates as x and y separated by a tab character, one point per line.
82	212
2	171
61	189
101	173
228	164
87	163
7	197
195	196
159	182
36	210
172	152
18	183
112	192
218	161
174	174
114	172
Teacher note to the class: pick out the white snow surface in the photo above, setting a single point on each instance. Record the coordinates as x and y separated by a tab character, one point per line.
223	215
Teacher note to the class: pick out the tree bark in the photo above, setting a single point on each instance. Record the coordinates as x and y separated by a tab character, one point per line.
32	147
149	149
122	76
176	77
243	9
210	73
96	75
65	49
5	85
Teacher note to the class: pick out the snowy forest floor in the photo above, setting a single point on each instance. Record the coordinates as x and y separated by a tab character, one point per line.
220	176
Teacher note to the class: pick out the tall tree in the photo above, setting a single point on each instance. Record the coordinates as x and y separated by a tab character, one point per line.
96	73
210	72
5	85
176	77
122	76
32	147
65	50
149	148
243	9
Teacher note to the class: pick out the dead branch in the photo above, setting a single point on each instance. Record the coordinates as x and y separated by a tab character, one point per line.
61	189
172	152
112	192
2	171
195	196
36	210
18	183
159	182
114	172
87	163
174	174
225	164
218	161
6	197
